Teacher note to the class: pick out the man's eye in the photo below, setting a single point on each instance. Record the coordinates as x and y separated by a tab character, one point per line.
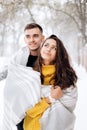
27	36
36	35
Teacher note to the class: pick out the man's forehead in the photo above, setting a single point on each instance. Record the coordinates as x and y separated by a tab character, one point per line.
32	31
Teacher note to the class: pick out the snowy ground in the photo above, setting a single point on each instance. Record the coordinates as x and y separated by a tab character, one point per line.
81	108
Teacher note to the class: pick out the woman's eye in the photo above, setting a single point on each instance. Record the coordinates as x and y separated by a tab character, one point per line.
54	48
45	45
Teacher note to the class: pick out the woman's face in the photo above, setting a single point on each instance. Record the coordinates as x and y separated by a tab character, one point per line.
48	51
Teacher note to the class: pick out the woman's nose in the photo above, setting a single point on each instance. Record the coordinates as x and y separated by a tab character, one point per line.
48	48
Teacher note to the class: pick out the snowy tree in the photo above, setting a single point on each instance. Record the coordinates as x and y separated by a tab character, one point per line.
68	20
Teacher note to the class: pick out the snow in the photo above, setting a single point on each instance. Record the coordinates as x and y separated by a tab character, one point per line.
4	61
81	107
1	101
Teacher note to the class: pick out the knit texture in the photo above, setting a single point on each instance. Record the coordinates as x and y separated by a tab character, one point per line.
31	121
48	72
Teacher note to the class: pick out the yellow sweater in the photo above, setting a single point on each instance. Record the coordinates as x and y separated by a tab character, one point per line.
31	121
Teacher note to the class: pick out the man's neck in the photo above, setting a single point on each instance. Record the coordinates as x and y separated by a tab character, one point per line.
34	53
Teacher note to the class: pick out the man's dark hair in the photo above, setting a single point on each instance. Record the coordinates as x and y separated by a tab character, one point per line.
33	25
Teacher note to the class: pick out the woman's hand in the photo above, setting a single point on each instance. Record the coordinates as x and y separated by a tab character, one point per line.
56	92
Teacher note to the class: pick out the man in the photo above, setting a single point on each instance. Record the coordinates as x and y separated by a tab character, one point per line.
33	38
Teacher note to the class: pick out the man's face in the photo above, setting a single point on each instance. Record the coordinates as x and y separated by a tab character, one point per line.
33	38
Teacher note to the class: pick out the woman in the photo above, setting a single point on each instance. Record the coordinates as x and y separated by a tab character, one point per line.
54	66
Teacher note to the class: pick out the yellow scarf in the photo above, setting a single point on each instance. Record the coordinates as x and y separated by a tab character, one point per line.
48	73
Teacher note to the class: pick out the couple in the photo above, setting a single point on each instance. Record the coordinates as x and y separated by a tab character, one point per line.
46	88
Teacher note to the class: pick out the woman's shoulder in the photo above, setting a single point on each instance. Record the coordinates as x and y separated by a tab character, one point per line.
71	89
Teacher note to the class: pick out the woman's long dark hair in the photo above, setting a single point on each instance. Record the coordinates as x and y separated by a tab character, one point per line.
65	75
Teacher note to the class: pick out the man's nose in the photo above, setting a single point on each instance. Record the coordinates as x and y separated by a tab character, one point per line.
32	39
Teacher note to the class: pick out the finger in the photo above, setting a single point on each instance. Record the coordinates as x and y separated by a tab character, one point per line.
52	88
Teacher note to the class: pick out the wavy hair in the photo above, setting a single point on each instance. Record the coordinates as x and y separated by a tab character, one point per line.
65	75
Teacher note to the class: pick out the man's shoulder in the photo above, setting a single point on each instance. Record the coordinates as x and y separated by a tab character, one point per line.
21	56
24	48
22	51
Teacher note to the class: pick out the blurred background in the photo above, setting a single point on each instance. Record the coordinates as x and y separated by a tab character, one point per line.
65	18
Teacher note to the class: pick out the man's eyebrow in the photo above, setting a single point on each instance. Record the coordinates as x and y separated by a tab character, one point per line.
27	35
33	35
36	34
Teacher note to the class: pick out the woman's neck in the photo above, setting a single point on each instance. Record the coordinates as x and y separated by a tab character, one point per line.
47	63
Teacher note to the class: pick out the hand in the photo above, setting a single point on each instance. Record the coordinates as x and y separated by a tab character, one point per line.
56	92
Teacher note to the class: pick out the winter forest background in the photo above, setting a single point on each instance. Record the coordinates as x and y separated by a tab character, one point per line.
65	18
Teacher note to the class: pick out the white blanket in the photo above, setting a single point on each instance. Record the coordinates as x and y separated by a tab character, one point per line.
60	115
21	92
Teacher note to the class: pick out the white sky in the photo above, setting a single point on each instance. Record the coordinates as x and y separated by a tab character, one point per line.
62	1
